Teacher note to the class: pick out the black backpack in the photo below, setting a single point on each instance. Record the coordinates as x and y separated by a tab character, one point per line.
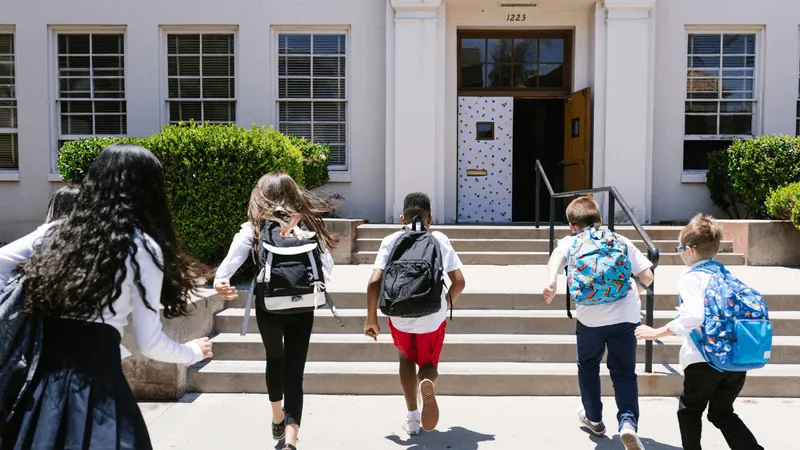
290	279
413	279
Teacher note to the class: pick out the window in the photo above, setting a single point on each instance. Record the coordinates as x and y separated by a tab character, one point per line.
91	85
517	61
201	78
720	94
312	98
9	149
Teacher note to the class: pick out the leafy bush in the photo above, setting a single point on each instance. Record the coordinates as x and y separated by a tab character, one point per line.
315	161
75	157
748	171
784	203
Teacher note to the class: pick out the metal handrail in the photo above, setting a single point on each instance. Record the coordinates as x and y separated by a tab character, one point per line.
613	197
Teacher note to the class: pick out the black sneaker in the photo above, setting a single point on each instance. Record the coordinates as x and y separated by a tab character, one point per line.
279	429
597	429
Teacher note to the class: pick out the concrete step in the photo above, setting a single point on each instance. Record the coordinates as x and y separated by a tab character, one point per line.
521	245
498	300
533	258
471	378
480	321
380	231
466	348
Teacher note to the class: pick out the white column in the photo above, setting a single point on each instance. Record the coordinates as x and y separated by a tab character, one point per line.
414	105
628	100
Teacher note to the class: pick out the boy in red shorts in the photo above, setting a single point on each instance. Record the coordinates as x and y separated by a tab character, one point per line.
418	340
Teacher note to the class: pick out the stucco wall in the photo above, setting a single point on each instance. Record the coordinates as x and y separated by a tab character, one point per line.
778	49
23	202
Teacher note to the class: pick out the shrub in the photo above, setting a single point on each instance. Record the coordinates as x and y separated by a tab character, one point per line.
784	203
749	170
75	157
315	161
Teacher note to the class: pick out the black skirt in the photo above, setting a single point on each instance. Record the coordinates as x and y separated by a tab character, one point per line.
79	398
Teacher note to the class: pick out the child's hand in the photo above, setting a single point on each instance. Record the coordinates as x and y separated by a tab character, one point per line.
645	333
549	294
226	292
372	329
205	346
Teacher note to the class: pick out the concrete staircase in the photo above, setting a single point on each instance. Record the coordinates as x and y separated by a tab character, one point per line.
523	245
504	339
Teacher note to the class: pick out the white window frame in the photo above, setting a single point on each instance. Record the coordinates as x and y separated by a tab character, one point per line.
699	176
338	173
55	115
165	31
12	174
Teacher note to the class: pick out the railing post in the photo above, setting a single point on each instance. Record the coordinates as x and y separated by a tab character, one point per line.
611	212
536	200
552	223
648	320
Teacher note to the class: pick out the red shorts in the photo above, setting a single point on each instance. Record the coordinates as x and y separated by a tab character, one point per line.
423	349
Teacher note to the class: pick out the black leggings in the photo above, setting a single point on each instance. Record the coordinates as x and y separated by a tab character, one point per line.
286	337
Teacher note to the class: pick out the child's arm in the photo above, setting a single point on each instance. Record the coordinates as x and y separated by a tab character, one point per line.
691	313
237	255
555	265
372	329
457	285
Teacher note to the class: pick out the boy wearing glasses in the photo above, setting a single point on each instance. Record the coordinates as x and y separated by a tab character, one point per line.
703	385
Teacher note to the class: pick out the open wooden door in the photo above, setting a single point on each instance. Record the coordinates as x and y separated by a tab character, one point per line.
577	141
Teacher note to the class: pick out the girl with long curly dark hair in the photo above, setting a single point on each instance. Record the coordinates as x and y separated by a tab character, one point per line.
277	202
114	255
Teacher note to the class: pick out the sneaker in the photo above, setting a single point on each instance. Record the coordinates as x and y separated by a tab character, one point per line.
430	409
411	426
279	429
629	438
597	428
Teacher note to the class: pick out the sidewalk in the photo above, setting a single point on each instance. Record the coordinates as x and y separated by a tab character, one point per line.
241	422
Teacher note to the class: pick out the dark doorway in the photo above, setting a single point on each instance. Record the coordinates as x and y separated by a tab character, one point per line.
538	134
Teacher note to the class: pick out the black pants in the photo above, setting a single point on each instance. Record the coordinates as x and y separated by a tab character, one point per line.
286	337
703	385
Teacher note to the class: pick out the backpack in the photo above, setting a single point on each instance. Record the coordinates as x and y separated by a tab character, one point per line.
737	333
598	269
21	337
290	277
413	280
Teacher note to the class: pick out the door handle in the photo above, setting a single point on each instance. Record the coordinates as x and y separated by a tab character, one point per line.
477	172
562	164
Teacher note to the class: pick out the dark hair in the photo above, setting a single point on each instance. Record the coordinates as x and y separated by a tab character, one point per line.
704	234
583	212
62	203
79	267
417	204
278	198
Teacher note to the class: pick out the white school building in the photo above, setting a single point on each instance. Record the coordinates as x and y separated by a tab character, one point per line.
456	98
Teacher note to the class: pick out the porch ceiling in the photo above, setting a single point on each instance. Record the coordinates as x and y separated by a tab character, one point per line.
548	5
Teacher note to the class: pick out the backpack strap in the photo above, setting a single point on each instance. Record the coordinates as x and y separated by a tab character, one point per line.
248	306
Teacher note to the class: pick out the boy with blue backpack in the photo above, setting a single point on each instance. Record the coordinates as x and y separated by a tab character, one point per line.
600	265
726	331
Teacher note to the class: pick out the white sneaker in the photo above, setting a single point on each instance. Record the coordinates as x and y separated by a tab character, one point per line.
597	429
412	424
629	438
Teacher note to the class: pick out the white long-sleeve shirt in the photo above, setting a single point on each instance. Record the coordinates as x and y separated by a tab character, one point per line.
240	250
147	327
691	313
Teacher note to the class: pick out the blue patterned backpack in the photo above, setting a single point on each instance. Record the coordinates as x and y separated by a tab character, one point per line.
598	269
737	333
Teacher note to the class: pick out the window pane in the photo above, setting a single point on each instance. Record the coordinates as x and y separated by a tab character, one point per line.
329	112
327	89
294	44
107	44
472	76
217	44
695	153
218	88
77	107
551	75
8	114
299	66
499	50
184	88
294	111
218	66
185	111
701	125
6	44
704	44
9	151
736	124
739	44
498	75
704	62
328	44
551	50
294	88
219	112
473	51
702	107
187	66
73	43
526	75
326	66
111	124
77	125
526	50
109	88
109	107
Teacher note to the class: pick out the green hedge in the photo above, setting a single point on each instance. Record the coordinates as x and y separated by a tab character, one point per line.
784	203
748	171
211	171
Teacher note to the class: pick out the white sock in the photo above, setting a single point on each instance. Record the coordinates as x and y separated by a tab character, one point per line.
414	415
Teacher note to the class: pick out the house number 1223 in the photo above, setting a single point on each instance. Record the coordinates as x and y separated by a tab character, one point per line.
516	18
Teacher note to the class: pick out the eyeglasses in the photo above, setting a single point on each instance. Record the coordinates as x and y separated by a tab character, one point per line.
681	248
